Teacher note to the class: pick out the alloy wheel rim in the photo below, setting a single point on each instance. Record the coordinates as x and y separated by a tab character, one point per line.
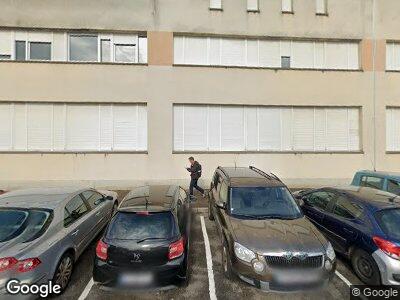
365	267
64	272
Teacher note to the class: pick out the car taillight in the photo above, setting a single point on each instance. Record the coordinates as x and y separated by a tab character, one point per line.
101	250
388	247
27	265
7	263
176	249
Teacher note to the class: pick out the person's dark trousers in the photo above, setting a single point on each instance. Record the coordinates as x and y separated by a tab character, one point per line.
193	184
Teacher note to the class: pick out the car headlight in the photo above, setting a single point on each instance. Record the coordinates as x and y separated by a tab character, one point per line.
243	253
330	253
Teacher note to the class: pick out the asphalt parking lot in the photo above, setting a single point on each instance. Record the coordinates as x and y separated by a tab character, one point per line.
201	281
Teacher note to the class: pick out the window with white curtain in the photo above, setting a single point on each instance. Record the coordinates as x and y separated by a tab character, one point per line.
215	4
261	128
221	51
287	5
392	56
252	5
321	7
64	127
393	129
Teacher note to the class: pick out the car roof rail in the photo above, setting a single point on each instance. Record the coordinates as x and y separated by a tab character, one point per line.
262	173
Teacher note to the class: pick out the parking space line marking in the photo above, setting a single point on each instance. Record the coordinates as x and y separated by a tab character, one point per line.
211	282
344	279
87	289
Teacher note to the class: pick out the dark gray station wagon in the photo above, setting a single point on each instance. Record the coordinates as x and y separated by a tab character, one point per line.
266	239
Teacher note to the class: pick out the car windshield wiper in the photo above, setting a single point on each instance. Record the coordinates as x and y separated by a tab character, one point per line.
280	217
148	239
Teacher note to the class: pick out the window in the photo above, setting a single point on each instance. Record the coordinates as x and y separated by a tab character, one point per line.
125	53
252	5
39	51
20	50
142	49
74	210
372	182
389	221
393	187
93	198
105	50
321	7
73	127
83	48
259	128
222	51
392	56
285	62
393	129
287	6
347	209
319	199
215	4
5	57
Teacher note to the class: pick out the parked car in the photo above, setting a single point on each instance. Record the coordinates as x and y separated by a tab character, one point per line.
266	240
362	224
146	245
384	181
44	231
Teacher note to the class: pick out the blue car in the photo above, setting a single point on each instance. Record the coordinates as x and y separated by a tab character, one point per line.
362	224
385	181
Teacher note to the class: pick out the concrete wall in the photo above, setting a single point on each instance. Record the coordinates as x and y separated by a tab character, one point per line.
160	85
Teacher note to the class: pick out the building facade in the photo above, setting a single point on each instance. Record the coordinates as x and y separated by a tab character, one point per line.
119	93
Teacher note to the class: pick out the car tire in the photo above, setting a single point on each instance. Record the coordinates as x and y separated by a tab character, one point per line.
365	267
210	214
226	262
63	273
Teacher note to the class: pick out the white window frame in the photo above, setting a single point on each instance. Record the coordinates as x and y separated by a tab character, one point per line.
324	4
215	5
392	140
286	9
253	5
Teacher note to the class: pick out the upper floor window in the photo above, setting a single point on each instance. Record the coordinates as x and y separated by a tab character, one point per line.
83	48
39	51
393	56
252	5
393	129
215	4
287	6
321	7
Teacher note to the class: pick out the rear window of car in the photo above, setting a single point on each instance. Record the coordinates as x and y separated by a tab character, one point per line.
136	226
389	221
27	225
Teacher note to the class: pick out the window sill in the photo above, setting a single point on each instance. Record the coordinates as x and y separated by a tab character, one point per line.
253	11
215	9
287	12
73	62
73	152
393	152
322	14
267	152
269	68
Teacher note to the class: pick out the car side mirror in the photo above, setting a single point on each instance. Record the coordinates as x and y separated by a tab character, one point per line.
109	198
220	204
300	202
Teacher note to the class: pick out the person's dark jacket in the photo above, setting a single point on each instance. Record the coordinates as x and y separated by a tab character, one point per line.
195	170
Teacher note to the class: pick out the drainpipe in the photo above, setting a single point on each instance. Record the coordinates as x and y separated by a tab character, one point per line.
374	81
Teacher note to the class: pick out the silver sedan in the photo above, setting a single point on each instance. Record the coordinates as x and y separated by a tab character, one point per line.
44	231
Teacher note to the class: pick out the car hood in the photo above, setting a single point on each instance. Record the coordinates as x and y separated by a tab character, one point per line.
275	236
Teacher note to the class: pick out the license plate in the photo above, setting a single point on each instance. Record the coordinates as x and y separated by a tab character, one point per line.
136	279
296	278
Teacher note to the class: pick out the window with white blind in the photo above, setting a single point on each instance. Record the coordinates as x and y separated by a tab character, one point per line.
259	128
321	7
220	51
287	5
393	129
392	56
252	5
65	127
215	4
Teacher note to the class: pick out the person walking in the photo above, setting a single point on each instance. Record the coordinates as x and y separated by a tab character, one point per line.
195	174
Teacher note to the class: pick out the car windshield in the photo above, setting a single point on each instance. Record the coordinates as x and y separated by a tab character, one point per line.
389	221
24	224
263	203
133	226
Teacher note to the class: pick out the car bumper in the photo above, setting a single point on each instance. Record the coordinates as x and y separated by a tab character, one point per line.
269	279
389	268
109	276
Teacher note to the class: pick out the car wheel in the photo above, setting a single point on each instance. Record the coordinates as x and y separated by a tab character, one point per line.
210	214
365	267
226	262
63	272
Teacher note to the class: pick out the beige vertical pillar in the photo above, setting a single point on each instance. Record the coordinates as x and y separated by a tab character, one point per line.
367	52
160	48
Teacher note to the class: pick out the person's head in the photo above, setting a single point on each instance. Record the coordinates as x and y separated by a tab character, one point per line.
191	160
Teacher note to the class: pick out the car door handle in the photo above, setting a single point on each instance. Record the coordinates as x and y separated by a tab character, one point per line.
75	232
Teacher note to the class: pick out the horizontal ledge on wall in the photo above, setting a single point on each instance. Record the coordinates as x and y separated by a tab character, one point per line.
71	62
392	152
74	152
268	152
268	68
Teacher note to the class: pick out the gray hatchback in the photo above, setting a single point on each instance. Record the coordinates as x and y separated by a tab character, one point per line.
44	231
